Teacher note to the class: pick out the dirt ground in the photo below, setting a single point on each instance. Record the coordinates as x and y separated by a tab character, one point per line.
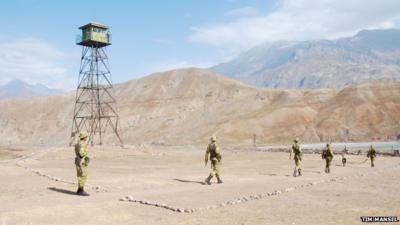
37	187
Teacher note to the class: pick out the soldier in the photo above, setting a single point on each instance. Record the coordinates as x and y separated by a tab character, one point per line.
81	162
371	154
215	158
344	160
296	149
327	154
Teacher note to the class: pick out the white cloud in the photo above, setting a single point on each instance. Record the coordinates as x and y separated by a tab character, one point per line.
298	20
34	61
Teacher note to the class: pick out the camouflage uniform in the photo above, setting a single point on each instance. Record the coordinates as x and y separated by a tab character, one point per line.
327	154
296	149
371	154
81	163
215	158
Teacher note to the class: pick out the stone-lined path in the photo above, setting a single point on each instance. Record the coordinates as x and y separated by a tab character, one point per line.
253	197
22	162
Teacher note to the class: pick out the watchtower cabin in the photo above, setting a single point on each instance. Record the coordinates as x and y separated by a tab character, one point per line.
94	35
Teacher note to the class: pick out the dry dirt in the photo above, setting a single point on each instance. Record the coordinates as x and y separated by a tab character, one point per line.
37	188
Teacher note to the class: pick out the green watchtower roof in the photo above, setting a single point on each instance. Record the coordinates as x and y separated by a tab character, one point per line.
94	35
94	24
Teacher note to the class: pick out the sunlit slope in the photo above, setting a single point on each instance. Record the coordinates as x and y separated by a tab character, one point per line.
188	105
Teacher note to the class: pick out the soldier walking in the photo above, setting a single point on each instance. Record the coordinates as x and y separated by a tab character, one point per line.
344	160
371	154
327	154
213	152
296	149
81	162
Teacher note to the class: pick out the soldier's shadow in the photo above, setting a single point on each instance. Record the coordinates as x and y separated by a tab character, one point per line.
189	181
269	174
64	191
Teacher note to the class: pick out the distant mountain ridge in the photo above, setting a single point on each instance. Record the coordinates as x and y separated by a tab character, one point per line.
18	89
369	55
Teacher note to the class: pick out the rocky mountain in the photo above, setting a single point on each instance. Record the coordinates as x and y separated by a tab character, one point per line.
187	106
368	56
18	89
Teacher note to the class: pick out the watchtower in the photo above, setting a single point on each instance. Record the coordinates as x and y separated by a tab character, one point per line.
94	35
94	109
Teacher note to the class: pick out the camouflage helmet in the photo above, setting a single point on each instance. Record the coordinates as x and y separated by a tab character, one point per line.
213	138
296	140
327	145
83	135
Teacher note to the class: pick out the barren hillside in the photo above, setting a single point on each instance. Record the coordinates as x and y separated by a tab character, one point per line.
187	106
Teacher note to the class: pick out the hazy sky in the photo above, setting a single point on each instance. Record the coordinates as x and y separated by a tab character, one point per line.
37	40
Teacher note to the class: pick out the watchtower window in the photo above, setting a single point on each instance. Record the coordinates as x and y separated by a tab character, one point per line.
97	30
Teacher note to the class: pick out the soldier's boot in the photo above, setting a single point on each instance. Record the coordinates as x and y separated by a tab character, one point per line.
329	170
208	180
295	173
79	191
326	170
83	193
372	165
300	173
219	180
